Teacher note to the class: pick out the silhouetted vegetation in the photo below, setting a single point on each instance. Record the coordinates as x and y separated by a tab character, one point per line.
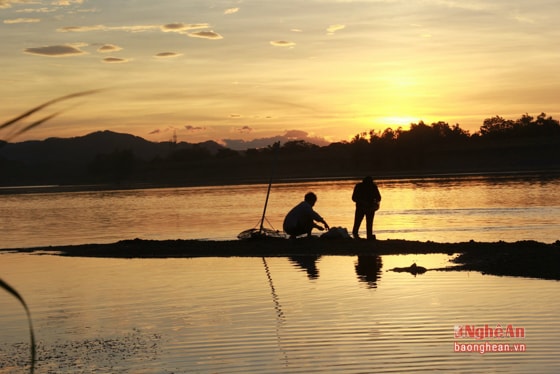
525	144
113	167
10	170
32	346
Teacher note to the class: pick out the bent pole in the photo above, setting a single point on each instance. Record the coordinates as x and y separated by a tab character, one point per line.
276	147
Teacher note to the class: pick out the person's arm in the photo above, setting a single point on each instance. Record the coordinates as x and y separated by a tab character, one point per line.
318	218
355	194
324	223
377	193
318	227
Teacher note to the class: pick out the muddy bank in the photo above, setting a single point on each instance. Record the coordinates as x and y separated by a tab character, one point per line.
524	258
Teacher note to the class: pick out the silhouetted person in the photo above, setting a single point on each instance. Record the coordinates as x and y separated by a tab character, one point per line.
367	197
301	219
307	263
368	269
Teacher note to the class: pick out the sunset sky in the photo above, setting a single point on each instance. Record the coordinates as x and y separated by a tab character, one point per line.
243	72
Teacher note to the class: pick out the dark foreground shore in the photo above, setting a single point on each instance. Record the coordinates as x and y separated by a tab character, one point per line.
523	259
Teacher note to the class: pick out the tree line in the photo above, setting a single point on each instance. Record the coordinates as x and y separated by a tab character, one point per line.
528	143
495	128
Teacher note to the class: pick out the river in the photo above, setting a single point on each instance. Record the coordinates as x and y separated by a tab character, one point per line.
336	314
449	209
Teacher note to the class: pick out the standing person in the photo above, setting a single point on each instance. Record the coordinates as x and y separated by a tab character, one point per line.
367	198
301	219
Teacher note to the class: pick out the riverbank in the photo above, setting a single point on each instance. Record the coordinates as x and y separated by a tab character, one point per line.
538	174
521	259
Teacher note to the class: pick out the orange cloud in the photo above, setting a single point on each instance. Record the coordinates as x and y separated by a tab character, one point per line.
183	27
137	28
168	54
244	129
21	20
55	51
67	2
333	28
115	60
231	11
205	35
4	4
282	43
191	128
108	48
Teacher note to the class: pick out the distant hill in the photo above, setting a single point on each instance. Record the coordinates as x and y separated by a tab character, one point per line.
115	159
84	149
94	158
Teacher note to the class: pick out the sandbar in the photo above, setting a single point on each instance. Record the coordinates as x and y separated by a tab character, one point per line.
530	259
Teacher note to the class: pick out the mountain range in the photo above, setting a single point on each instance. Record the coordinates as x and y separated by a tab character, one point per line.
84	149
106	157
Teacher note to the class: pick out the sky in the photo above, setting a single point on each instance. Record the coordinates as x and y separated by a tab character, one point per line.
247	72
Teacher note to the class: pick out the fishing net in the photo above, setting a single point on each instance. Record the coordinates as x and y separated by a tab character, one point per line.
261	232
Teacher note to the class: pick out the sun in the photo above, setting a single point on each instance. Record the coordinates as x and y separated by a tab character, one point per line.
395	121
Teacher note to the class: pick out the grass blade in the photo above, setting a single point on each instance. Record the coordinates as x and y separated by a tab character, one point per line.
33	125
16	294
46	104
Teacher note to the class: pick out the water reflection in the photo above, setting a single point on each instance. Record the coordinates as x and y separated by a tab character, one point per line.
263	315
307	263
436	209
368	269
275	298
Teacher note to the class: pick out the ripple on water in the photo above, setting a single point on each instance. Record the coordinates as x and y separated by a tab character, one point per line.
237	315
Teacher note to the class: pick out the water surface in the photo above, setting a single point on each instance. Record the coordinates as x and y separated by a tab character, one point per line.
439	209
239	315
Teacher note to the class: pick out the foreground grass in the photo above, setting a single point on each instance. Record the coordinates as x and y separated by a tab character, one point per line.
5	286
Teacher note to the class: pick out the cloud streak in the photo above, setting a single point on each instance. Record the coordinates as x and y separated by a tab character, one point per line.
191	128
115	60
334	28
282	43
231	11
183	28
67	2
55	51
38	10
168	54
137	28
21	20
244	130
179	28
4	4
289	135
205	35
106	48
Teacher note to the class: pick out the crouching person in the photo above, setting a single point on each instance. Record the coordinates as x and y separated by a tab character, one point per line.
302	218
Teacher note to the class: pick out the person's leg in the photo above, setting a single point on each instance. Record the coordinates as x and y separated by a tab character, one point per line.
290	231
358	217
302	227
306	226
369	224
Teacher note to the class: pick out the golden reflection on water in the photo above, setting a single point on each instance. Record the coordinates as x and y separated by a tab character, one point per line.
452	210
270	315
